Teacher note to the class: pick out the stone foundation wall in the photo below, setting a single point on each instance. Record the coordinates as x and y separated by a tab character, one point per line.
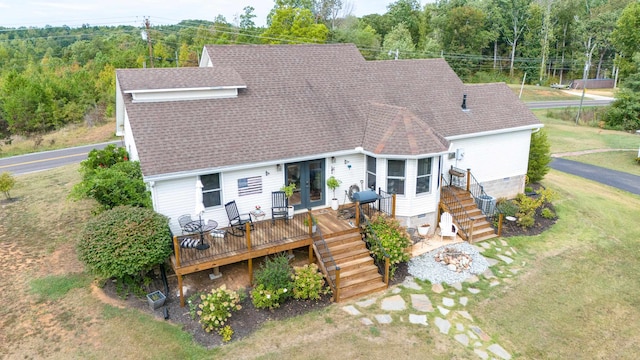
505	188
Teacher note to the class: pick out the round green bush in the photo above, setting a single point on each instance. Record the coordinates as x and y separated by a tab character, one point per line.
124	241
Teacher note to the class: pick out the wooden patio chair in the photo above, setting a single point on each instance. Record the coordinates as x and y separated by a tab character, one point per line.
184	220
279	206
447	227
237	221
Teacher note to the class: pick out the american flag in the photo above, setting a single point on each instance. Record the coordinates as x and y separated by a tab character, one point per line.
248	186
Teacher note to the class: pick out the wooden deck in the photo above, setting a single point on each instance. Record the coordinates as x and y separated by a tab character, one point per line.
265	238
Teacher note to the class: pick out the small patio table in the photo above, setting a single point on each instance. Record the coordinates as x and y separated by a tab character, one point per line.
199	226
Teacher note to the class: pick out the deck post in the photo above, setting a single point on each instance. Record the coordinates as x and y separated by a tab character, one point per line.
310	254
180	290
500	216
337	285
393	206
468	178
386	271
250	260
176	249
357	214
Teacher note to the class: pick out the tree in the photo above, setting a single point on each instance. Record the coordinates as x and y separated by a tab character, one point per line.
124	243
7	182
398	42
408	13
291	24
624	112
515	13
358	32
539	156
626	36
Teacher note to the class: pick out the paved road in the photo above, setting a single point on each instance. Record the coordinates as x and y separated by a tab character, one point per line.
617	179
24	164
566	103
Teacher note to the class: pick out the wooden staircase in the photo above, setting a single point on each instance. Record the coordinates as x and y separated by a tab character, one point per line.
482	229
359	275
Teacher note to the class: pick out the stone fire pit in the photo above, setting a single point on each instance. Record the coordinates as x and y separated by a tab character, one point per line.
455	260
460	262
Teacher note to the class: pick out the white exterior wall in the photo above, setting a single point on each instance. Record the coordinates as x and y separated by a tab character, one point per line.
120	110
500	160
348	176
129	141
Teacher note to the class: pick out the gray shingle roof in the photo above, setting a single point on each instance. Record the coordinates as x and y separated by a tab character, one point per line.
303	100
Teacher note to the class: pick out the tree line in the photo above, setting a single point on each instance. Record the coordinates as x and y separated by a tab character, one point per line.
53	76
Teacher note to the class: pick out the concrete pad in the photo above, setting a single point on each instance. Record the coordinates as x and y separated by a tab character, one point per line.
499	351
443	325
466	315
410	283
437	288
462	339
506	259
351	310
443	311
393	303
383	318
366	303
421	302
366	321
418	319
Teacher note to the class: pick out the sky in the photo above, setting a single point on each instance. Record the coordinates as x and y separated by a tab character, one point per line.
74	13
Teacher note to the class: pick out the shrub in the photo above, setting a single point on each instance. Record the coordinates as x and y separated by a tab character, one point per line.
226	332
547	213
308	282
120	184
393	239
539	156
124	242
273	282
526	220
507	207
104	158
638	160
216	308
7	182
266	298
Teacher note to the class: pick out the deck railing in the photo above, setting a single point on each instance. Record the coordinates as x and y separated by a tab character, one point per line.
328	265
450	202
373	240
469	182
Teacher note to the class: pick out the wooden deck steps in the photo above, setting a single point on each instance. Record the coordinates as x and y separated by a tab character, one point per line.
482	229
359	275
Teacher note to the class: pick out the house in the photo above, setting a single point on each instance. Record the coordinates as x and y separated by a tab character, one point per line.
252	118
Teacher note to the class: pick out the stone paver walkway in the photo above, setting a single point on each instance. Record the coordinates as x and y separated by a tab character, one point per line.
444	306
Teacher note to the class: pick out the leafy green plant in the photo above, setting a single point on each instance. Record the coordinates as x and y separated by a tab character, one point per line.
124	242
547	213
507	207
288	189
226	333
528	189
216	308
268	298
7	182
333	184
526	220
314	221
273	282
105	158
393	239
308	282
193	301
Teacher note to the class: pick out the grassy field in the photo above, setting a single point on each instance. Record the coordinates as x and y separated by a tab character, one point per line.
72	135
541	93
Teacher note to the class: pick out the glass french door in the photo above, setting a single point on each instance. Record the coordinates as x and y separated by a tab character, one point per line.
309	179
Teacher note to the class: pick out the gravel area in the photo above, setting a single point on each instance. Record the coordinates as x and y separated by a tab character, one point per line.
424	267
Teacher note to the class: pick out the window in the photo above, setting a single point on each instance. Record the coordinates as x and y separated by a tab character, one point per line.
371	173
423	181
211	191
395	176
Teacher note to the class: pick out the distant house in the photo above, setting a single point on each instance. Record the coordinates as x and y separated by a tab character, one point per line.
254	117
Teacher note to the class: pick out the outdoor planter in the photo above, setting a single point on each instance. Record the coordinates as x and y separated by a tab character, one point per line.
423	229
156	299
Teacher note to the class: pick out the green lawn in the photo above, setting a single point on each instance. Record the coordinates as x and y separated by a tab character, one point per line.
541	93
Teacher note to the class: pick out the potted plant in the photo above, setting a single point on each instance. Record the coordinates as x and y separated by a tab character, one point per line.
314	223
333	184
156	299
423	229
288	192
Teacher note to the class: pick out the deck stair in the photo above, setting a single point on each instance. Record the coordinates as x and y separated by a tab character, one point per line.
482	229
359	275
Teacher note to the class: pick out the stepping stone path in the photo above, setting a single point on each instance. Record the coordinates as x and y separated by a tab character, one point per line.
450	319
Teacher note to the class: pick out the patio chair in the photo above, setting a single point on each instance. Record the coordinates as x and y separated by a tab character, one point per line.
447	227
237	221
279	206
183	220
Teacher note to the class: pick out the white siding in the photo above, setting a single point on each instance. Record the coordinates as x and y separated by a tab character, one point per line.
120	110
183	94
129	141
494	158
353	175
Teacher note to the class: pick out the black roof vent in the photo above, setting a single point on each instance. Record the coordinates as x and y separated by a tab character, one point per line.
464	102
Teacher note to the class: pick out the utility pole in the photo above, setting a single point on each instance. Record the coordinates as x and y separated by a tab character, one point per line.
147	25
